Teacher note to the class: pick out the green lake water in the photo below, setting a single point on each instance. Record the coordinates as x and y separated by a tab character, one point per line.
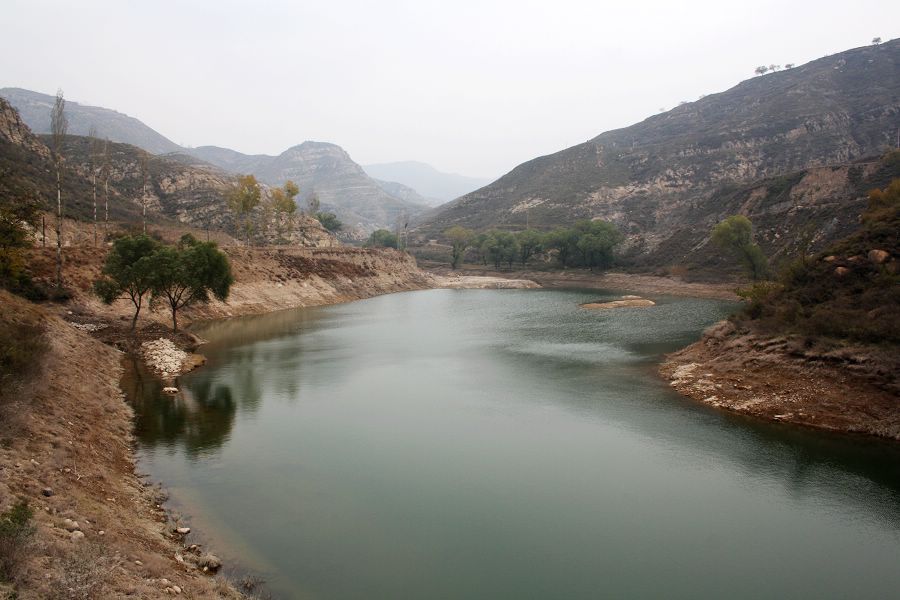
505	444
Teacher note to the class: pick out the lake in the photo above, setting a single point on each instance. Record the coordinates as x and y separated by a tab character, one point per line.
505	444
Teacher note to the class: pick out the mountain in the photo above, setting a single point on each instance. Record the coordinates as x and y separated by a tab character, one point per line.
664	181
328	171
435	186
35	108
179	188
341	184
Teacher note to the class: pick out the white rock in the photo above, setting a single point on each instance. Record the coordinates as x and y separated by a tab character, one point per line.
77	535
183	530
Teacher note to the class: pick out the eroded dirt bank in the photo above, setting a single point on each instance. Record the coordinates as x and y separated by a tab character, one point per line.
849	389
66	448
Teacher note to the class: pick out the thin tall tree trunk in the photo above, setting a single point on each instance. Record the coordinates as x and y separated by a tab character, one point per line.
106	199
94	192
58	229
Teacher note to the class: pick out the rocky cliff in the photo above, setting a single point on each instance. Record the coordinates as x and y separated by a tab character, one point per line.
659	178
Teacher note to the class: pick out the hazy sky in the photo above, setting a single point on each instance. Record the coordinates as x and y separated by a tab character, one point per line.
470	87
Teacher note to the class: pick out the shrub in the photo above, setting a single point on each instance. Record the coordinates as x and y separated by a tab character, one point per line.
22	347
16	531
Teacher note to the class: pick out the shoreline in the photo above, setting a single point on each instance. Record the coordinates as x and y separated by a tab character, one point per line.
844	390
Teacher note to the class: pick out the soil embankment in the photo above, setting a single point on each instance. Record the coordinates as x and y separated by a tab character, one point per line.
851	389
66	448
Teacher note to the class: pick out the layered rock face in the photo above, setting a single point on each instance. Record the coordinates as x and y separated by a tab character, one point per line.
670	172
328	171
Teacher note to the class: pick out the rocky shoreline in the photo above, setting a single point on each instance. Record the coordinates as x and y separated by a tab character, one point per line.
848	389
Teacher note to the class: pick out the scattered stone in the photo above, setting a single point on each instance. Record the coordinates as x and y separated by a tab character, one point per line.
139	563
878	256
176	589
210	562
70	525
841	271
179	558
101	532
182	530
170	390
47	492
164	357
830	258
77	535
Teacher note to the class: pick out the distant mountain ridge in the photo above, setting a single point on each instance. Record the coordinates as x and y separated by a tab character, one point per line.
342	185
663	180
34	108
437	187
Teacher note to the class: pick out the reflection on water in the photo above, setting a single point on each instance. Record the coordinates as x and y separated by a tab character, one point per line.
507	444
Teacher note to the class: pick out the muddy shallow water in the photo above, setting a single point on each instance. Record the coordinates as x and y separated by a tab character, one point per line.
506	444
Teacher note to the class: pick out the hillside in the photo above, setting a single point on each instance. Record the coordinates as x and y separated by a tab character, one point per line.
437	187
326	169
819	347
660	179
180	189
35	107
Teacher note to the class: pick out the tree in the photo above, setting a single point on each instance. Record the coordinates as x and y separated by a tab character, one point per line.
329	221
530	242
564	241
283	207
596	242
774	68
382	238
876	41
59	125
313	204
735	234
188	274
501	247
242	199
105	169
460	238
94	149
788	65
128	272
18	212
761	70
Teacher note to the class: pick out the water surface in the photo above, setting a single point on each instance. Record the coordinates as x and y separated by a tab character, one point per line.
506	444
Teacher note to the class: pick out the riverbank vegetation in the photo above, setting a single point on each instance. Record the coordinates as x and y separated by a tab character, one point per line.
589	244
848	291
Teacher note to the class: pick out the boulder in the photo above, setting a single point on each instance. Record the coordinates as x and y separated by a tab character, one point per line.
209	562
841	271
878	257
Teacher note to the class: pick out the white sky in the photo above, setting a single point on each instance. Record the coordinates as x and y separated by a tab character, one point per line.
469	87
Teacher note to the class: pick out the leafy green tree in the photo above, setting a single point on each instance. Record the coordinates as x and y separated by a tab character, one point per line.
564	241
382	238
128	272
329	221
501	247
460	238
596	242
17	213
189	273
530	242
735	234
242	199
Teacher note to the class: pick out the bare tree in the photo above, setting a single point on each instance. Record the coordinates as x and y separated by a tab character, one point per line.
94	150
774	68
788	65
313	204
106	186
143	166
59	125
876	41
